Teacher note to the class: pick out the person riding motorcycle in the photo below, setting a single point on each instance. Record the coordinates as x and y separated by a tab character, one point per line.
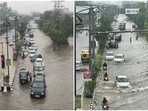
104	66
105	103
105	75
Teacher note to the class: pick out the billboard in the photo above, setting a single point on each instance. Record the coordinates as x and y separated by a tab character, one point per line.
87	75
132	11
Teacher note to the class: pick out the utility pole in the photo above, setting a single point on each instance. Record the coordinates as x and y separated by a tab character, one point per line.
57	6
7	24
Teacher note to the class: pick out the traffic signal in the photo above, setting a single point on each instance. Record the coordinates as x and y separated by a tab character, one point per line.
3	61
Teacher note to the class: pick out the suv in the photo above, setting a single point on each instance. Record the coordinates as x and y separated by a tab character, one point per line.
112	44
118	37
38	87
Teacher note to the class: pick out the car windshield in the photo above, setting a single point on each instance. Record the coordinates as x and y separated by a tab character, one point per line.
38	68
118	57
38	84
78	64
109	54
23	75
122	80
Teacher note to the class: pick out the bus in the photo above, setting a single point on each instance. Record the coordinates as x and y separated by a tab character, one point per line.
122	26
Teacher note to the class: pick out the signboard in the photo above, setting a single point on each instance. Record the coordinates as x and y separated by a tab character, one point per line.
132	11
87	75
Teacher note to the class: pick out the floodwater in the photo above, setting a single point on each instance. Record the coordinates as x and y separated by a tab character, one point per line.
58	75
134	67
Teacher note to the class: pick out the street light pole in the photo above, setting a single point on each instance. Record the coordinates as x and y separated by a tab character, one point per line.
7	24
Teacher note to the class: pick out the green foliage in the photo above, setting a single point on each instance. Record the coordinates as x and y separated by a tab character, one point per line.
49	24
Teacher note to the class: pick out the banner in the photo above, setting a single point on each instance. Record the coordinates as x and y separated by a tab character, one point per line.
87	75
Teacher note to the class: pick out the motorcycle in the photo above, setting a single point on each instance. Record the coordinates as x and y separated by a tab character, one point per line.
104	68
105	78
105	107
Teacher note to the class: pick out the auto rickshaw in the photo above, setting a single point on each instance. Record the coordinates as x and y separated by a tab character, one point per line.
85	56
23	76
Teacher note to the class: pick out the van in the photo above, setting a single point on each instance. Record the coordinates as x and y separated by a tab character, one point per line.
85	56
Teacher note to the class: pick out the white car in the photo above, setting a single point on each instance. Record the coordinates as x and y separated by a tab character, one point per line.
79	65
39	61
122	81
34	46
109	56
31	53
119	58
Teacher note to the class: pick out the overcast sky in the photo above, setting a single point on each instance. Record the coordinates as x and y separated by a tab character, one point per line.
26	7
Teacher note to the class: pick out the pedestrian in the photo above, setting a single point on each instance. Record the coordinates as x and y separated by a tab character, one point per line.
30	76
130	40
137	37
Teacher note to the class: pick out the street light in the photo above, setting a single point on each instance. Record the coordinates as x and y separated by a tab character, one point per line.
7	24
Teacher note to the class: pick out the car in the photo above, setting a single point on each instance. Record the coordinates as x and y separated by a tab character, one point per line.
31	41
38	69
118	37
11	43
32	52
31	34
112	44
33	58
85	56
23	76
119	58
79	65
34	46
122	81
109	55
38	61
38	87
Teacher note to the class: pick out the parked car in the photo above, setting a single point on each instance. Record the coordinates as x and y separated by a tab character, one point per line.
122	81
109	55
119	58
38	87
112	44
23	76
79	65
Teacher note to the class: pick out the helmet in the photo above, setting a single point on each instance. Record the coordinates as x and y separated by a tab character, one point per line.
104	98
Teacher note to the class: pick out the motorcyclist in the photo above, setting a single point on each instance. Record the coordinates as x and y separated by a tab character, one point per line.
104	65
104	102
106	75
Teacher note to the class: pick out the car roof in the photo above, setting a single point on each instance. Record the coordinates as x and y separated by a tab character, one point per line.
78	61
39	59
119	54
121	76
39	78
109	52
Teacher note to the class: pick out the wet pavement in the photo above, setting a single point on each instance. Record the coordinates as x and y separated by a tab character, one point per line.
58	75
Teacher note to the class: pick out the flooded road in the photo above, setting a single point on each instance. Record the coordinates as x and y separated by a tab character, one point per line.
134	67
58	75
